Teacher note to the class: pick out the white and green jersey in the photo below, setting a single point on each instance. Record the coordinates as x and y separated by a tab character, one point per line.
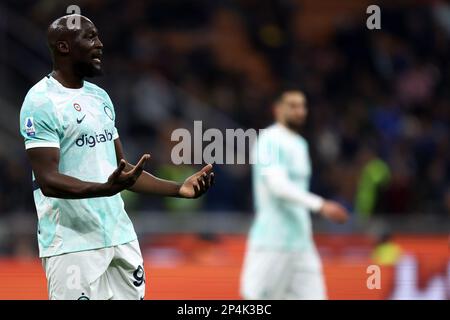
81	123
280	224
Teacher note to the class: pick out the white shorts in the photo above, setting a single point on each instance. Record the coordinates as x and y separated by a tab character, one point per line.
282	275
115	273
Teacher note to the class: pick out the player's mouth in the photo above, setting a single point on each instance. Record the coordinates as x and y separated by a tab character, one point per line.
97	57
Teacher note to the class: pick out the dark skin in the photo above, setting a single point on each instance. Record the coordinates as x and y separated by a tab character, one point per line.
76	54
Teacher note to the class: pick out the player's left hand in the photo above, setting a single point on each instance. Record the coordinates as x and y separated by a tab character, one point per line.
197	184
334	211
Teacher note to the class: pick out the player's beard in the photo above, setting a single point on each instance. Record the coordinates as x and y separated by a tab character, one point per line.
88	70
295	125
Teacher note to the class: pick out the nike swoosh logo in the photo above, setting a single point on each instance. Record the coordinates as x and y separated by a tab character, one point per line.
81	120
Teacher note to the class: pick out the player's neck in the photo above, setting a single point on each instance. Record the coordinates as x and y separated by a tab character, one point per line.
289	129
67	78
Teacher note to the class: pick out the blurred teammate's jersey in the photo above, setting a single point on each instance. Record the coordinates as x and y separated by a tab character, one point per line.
81	123
280	224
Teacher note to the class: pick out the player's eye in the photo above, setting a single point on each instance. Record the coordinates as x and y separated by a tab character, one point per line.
91	35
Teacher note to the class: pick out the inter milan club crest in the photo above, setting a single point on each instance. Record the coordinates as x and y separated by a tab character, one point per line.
108	111
77	107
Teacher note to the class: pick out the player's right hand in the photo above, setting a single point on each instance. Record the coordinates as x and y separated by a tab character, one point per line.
120	180
334	211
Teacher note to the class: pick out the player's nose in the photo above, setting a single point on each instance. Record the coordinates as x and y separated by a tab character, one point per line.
98	44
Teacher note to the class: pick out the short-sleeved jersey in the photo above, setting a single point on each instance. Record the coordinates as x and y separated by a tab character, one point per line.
280	224
81	123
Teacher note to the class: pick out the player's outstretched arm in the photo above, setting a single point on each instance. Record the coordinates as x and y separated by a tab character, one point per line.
193	187
45	163
279	184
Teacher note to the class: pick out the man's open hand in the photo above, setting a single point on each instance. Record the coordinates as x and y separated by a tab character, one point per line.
197	184
120	180
334	211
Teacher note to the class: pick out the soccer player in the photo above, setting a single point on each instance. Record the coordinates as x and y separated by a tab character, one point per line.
87	242
281	260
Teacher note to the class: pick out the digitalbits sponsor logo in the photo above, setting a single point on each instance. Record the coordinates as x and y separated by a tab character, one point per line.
92	140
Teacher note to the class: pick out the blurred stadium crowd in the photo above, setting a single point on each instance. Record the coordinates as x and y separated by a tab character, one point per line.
379	99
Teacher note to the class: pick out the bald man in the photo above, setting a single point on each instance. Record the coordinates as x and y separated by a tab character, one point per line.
87	242
281	261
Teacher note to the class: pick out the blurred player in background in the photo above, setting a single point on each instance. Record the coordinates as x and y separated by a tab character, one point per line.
86	240
281	260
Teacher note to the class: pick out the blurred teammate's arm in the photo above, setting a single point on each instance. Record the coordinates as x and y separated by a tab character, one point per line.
279	184
45	163
193	187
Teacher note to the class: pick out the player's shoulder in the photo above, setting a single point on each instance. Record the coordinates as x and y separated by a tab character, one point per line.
39	95
273	134
302	140
268	132
95	89
281	137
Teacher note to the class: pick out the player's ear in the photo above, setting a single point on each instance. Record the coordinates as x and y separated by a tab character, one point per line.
62	46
